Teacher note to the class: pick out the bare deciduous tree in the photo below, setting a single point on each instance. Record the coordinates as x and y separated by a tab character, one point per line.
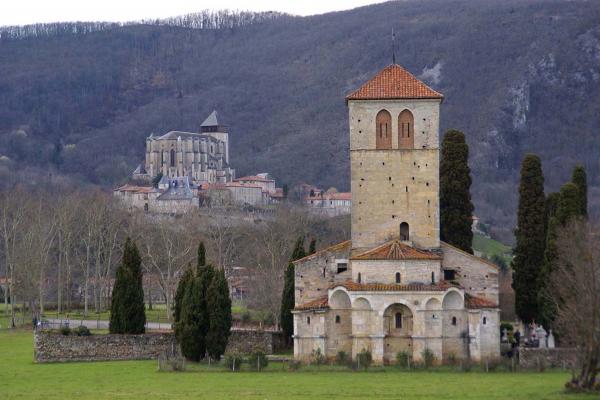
575	290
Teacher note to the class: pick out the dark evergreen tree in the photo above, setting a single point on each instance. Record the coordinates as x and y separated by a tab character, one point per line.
127	311
298	251
185	279
288	303
206	275
190	333
580	179
560	209
569	203
219	314
287	296
530	238
456	208
312	248
201	255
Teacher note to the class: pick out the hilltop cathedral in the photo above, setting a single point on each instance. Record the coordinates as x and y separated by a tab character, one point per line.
395	287
202	157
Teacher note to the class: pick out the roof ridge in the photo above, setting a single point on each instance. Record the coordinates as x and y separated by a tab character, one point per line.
394	82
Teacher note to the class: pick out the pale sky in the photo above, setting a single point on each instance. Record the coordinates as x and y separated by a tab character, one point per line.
22	12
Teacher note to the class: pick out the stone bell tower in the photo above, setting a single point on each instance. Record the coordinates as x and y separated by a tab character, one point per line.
394	158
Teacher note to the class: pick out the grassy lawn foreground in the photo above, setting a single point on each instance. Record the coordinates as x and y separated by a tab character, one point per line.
21	378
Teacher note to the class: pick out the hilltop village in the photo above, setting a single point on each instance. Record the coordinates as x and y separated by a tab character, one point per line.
187	170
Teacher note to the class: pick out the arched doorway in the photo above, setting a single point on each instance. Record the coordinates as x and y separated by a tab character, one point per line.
398	330
383	130
406	134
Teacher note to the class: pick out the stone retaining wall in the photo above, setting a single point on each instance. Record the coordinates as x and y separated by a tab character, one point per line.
54	347
557	357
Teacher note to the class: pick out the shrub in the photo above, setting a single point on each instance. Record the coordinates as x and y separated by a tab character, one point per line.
506	325
451	359
341	358
233	361
171	362
404	359
246	317
364	359
82	330
258	361
294	365
65	330
466	365
428	358
317	357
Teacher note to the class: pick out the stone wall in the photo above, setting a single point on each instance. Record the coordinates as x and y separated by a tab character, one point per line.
247	341
558	357
54	347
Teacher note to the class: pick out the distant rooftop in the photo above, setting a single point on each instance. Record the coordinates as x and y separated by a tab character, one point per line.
213	123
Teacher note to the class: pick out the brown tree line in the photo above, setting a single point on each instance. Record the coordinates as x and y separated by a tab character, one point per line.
60	250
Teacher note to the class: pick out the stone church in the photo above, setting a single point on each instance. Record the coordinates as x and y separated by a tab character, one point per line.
395	286
202	156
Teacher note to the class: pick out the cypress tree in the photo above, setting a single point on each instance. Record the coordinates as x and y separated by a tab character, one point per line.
580	179
456	208
205	278
219	315
128	314
201	255
312	248
569	203
184	281
530	238
287	296
190	327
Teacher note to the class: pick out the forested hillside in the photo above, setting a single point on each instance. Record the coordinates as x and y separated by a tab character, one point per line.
518	76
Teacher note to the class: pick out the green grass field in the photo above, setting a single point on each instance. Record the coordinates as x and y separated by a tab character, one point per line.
489	247
20	378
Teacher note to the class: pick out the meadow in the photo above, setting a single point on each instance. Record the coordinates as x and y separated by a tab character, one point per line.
21	378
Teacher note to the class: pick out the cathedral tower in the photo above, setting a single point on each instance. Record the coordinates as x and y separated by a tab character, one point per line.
394	159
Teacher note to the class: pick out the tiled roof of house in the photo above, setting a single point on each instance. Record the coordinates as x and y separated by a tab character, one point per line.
393	287
136	189
336	247
318	304
474	302
396	250
491	264
394	82
332	196
254	178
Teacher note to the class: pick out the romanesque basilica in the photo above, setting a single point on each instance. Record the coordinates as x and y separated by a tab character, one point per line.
395	286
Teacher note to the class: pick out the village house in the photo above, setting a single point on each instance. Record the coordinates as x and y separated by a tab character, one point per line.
329	204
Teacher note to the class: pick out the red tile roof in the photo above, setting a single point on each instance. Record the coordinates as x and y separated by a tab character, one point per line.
396	250
136	189
318	304
336	247
393	287
332	196
474	302
253	178
394	82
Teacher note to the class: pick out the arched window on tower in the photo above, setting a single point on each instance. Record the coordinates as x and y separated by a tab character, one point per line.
398	277
404	232
383	129
406	131
172	158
